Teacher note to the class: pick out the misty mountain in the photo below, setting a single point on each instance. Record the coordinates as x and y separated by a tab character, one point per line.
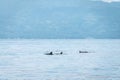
59	19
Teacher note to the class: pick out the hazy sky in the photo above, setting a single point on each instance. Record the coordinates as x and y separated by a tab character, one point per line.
60	19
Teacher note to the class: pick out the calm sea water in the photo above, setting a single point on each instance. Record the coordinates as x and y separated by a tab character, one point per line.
26	59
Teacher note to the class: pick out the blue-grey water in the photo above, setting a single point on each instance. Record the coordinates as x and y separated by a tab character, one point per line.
25	59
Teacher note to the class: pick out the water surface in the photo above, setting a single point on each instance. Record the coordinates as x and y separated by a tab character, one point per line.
25	59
